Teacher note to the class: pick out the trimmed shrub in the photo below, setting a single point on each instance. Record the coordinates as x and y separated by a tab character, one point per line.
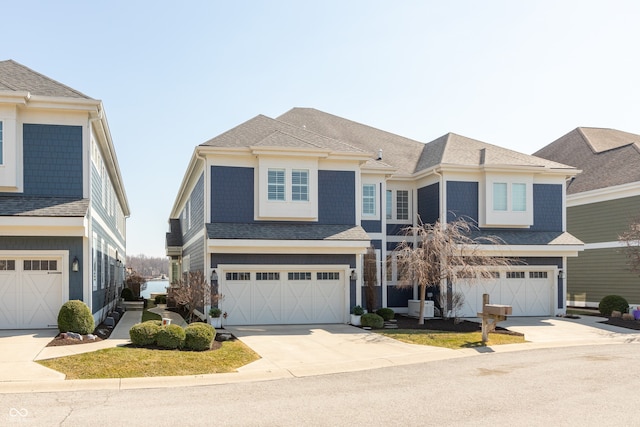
372	320
145	333
127	294
612	303
160	299
171	336
357	310
75	316
386	313
199	336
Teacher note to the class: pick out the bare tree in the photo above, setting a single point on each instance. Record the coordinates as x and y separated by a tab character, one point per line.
436	254
192	292
370	278
631	240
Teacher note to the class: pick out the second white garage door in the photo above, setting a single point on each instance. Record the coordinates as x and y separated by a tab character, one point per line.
31	292
283	297
530	293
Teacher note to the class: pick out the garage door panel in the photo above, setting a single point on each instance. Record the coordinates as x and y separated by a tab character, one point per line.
284	301
42	299
8	300
237	303
527	296
267	302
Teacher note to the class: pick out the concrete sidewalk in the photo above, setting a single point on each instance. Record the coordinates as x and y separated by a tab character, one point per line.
286	351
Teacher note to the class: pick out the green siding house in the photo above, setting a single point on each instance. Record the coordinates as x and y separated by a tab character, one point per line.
601	203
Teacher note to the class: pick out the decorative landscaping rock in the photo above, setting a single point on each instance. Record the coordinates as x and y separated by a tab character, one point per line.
223	336
74	336
102	333
91	337
615	313
627	316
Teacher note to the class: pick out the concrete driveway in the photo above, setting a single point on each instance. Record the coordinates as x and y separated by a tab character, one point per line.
304	350
18	349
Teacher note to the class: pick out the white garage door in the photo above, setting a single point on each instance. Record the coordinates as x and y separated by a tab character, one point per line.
30	292
530	293
286	297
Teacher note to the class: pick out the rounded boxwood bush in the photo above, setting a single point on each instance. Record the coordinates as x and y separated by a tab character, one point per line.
357	310
372	320
612	303
386	313
127	294
199	336
171	336
161	299
145	333
75	316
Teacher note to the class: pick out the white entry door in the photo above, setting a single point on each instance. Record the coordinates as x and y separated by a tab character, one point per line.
530	293
31	292
283	297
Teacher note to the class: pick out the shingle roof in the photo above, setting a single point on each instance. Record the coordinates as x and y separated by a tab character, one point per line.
525	237
407	155
17	77
267	132
607	157
43	206
285	231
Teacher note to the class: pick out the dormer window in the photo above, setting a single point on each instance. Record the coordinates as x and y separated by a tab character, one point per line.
509	201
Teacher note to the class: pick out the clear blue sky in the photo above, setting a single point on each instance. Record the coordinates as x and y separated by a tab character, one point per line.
172	75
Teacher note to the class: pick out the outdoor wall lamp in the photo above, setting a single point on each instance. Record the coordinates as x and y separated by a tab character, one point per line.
354	275
75	265
560	274
214	275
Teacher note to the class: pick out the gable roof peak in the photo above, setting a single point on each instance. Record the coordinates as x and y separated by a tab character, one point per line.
17	77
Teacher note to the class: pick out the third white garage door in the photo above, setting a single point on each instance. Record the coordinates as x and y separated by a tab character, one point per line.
283	297
529	292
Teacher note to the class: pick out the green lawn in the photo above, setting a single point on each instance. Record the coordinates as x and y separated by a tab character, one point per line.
129	362
454	340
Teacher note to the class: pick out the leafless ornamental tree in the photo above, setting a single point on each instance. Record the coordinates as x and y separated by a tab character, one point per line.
435	254
191	292
631	239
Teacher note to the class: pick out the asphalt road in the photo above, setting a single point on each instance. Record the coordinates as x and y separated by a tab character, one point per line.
587	386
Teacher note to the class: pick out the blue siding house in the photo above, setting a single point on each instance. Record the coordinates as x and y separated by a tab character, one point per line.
278	213
62	202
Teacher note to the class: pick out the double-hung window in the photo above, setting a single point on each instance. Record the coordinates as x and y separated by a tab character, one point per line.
300	185
401	205
276	184
501	197
369	199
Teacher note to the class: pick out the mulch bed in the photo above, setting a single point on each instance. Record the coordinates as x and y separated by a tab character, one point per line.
449	325
618	321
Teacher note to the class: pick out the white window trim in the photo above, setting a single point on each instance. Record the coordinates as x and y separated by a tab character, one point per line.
489	217
394	206
376	201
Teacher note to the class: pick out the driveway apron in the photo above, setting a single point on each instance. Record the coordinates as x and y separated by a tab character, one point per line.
18	349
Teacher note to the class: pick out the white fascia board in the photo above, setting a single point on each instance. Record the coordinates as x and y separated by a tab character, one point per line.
287	246
103	135
63	103
282	267
531	250
191	175
18	97
604	194
44	226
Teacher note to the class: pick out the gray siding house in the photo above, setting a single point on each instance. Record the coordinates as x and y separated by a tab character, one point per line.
601	203
62	201
279	212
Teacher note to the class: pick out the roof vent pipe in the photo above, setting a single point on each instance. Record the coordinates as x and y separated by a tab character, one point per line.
379	154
